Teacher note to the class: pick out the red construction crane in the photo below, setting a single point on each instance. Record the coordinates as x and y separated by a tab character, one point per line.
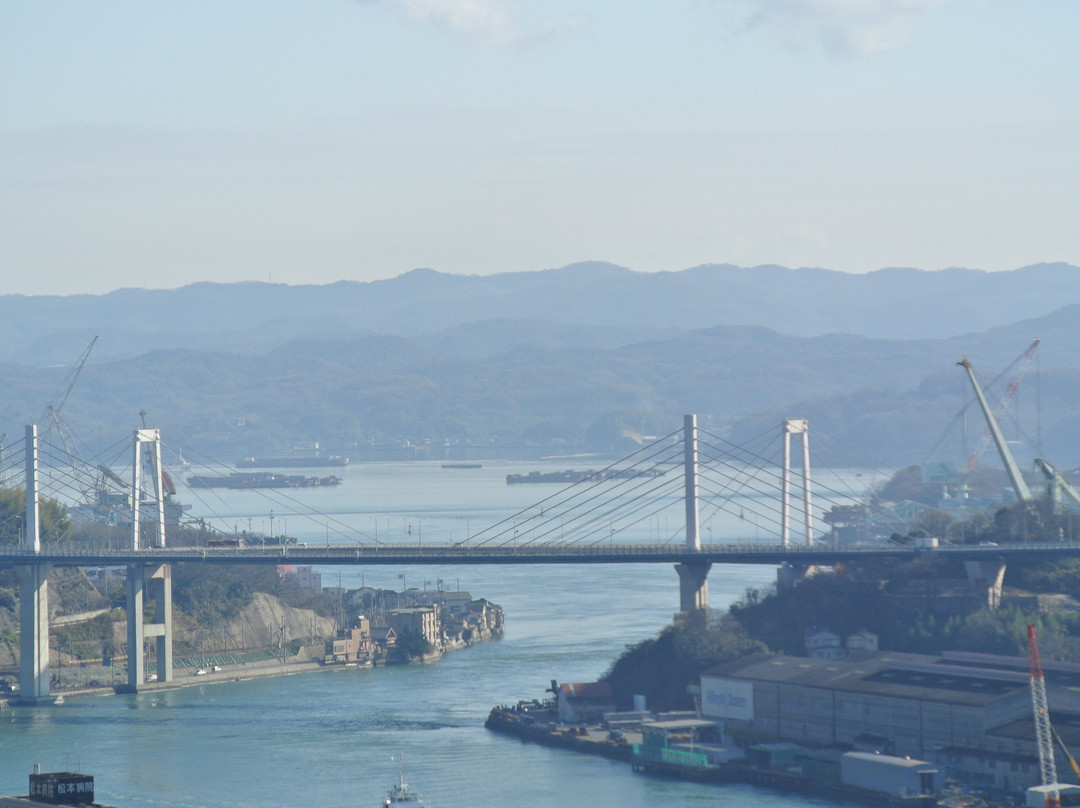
1043	733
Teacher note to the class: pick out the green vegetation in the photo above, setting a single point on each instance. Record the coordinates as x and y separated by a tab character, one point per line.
9	639
921	608
907	484
214	592
90	639
55	525
661	668
411	645
926	605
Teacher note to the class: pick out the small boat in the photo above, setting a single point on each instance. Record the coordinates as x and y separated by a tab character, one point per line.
401	794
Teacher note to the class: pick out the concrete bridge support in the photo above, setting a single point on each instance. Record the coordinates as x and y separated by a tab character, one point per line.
33	593
143	580
34	634
986	579
788	576
693	586
155	582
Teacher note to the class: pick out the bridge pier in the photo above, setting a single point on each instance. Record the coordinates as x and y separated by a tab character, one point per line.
986	579
33	593
34	634
788	576
157	583
143	580
693	586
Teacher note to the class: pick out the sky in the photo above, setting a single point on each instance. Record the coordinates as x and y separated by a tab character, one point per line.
157	144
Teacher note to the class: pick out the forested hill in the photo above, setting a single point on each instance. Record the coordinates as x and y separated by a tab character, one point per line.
253	368
891	399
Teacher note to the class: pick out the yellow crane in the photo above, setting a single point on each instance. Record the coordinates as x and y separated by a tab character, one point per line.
1068	755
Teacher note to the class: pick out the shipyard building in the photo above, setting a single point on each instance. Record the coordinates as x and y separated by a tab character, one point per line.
970	714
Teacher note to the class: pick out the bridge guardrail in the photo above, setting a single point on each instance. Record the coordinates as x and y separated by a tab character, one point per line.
69	554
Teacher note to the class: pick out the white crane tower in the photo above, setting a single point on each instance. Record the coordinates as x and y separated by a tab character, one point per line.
1041	709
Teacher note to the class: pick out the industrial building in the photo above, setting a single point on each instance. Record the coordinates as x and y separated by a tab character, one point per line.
971	714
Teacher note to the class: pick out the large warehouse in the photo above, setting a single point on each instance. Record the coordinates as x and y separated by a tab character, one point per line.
969	713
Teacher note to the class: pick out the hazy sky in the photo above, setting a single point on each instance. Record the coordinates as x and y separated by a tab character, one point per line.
161	143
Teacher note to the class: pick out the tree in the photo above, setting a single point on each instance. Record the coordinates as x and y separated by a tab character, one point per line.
412	644
661	668
54	523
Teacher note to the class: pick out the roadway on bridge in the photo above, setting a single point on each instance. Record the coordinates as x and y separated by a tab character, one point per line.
460	554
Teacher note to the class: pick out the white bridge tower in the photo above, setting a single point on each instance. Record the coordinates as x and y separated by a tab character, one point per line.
796	426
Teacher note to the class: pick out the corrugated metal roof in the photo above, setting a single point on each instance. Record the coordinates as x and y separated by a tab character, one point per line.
890	760
587	690
913	676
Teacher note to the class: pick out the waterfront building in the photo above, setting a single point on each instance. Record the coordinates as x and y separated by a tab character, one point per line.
585	702
421	619
969	713
687	742
861	640
384	636
484	614
890	775
823	644
351	645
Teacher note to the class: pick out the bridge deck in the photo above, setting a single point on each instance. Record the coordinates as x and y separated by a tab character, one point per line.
364	555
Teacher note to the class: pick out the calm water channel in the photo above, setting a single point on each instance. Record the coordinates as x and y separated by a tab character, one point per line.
327	739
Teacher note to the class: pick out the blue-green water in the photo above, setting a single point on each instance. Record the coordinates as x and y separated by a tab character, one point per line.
327	739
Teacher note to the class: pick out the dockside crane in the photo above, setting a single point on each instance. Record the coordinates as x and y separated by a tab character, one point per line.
1056	484
73	376
945	473
1024	362
78	465
1043	731
1023	493
1065	751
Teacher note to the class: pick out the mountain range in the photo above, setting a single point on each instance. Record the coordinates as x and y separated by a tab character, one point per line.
590	357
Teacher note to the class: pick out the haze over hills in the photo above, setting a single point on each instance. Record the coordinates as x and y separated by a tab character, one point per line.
580	358
252	317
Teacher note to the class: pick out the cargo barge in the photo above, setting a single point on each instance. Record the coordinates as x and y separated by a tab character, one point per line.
515	721
241	481
298	461
570	476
